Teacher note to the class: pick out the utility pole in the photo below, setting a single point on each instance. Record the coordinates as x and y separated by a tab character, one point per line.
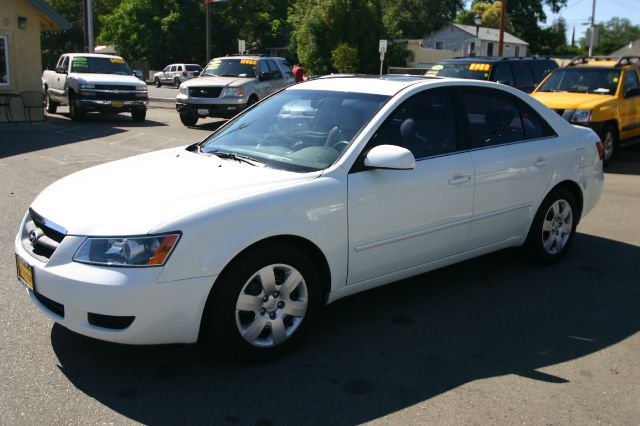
208	31
593	28
90	24
503	11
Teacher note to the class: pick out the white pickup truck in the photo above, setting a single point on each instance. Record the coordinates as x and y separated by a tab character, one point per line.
94	82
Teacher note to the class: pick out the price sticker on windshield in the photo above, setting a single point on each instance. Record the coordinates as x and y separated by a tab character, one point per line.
117	61
248	61
479	67
80	62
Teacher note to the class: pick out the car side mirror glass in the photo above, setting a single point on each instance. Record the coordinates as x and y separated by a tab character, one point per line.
635	91
390	157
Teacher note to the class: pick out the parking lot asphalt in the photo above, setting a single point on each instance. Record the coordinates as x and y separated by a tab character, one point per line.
495	340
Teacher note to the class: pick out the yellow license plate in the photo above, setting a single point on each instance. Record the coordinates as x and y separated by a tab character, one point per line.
25	272
117	104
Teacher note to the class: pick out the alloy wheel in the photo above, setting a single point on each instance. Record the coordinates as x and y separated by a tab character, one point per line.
557	226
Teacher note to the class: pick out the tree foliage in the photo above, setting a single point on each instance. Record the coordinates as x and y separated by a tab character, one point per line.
345	59
613	35
489	12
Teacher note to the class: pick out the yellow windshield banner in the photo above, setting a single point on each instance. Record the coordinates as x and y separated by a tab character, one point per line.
117	61
248	61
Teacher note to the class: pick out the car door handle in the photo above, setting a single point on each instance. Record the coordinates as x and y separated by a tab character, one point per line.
457	180
540	162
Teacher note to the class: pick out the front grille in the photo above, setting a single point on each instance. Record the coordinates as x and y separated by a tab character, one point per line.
108	96
110	321
205	92
114	87
53	306
41	237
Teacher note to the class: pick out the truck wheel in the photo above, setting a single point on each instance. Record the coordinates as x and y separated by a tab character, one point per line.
139	114
188	118
609	143
75	110
176	82
156	81
50	105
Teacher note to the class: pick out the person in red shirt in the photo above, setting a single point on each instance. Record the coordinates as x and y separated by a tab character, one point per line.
298	73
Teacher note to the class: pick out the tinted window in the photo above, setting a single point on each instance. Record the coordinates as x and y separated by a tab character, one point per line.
541	69
603	81
422	124
523	76
630	81
493	117
502	73
273	70
173	68
286	69
534	126
470	70
193	67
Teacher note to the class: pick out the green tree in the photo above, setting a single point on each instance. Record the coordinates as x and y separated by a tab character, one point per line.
414	19
613	35
490	13
55	43
345	59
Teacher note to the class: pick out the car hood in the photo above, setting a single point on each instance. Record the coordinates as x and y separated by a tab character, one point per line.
564	100
83	78
135	195
217	81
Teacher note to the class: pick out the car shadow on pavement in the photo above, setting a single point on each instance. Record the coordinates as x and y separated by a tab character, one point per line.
384	350
626	161
120	120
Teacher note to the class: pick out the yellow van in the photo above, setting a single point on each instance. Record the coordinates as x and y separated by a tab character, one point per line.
602	93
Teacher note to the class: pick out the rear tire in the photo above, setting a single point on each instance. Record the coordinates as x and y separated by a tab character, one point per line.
50	105
263	303
554	226
188	118
609	143
157	82
176	82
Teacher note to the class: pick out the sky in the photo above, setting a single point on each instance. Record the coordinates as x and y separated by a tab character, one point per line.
578	12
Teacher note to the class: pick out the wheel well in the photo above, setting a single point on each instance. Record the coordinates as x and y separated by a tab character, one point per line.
574	188
315	254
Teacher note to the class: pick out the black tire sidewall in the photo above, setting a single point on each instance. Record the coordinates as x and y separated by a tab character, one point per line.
139	115
219	327
157	82
534	243
607	129
188	119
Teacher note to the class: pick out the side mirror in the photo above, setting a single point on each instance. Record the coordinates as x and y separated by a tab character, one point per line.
390	157
635	91
138	73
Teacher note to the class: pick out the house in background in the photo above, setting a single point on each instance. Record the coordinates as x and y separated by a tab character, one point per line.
21	23
632	49
461	39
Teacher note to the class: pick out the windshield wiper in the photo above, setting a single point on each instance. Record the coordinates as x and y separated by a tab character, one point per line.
238	157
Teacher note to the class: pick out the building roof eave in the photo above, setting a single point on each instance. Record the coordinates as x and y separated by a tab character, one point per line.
51	14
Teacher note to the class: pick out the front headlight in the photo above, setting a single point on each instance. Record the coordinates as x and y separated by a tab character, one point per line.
127	251
233	91
142	87
87	86
581	115
184	90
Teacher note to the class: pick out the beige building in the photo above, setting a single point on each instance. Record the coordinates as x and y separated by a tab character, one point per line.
21	22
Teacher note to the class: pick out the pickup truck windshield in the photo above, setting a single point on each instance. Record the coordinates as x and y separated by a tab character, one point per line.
603	81
231	68
98	65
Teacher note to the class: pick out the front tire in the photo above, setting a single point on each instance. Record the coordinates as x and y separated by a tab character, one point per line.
263	303
188	118
554	226
609	144
139	115
157	82
75	110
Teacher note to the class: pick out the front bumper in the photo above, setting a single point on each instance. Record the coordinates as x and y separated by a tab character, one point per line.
76	294
112	105
210	107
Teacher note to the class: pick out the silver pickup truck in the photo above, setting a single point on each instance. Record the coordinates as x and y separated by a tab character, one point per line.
94	82
230	84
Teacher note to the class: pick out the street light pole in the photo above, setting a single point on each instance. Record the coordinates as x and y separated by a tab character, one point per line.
208	31
593	27
477	20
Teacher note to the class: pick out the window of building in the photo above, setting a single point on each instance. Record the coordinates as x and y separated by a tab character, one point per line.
4	61
517	51
440	45
489	49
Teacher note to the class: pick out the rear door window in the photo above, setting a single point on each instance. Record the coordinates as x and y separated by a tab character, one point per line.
274	70
523	77
502	73
541	69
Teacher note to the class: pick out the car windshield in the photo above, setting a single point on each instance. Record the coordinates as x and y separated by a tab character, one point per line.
99	65
468	70
602	81
296	130
231	68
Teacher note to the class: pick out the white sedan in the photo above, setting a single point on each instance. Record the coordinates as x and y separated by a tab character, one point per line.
325	189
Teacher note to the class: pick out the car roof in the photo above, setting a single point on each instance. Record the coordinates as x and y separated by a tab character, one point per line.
256	57
387	85
94	55
493	59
